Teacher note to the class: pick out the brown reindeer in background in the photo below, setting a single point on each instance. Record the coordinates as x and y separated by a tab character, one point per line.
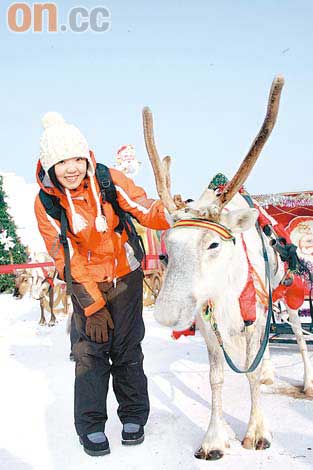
42	285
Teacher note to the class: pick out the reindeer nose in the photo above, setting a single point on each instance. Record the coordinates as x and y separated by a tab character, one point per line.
16	292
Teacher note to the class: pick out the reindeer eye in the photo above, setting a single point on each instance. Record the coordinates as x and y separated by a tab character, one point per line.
213	245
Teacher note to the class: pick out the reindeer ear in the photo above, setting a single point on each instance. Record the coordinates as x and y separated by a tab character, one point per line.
240	220
18	272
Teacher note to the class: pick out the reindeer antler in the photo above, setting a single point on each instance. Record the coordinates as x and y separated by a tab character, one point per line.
166	163
255	149
160	169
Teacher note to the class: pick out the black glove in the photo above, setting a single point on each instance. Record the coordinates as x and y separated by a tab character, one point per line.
97	325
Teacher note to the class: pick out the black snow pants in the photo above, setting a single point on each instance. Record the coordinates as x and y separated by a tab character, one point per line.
120	356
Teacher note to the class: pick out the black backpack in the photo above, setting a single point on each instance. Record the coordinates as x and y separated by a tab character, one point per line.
108	193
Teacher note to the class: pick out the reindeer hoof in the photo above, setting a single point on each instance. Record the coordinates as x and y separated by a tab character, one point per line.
42	322
262	444
309	393
51	323
267	381
247	443
212	455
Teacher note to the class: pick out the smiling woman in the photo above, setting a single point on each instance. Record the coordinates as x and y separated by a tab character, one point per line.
106	279
71	172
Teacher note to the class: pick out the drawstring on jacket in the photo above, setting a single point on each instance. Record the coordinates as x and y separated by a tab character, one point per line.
79	223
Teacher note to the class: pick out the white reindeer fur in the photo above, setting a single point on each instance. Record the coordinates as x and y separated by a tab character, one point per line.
196	274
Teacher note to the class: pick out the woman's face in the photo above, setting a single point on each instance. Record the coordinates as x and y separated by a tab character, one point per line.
71	172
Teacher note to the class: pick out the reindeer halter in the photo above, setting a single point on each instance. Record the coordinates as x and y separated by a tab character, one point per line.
222	231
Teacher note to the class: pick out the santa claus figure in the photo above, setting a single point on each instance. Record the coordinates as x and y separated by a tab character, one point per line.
301	234
126	160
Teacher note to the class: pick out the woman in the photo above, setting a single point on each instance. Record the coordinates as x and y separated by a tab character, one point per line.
107	282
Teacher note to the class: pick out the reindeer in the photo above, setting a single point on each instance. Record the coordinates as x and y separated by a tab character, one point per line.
43	286
205	269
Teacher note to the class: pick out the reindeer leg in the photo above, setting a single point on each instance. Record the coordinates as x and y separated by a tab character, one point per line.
51	304
42	320
308	370
216	438
267	371
64	302
258	435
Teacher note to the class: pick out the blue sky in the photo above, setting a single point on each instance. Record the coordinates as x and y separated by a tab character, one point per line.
204	68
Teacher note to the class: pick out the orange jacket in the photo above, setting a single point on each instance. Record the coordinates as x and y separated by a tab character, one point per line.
97	256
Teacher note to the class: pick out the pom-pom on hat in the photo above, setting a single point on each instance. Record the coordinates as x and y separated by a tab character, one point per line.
61	141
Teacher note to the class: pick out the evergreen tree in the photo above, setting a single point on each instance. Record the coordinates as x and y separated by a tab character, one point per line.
11	249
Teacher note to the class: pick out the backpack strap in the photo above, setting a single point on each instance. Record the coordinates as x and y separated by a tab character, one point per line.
108	193
64	241
51	204
56	211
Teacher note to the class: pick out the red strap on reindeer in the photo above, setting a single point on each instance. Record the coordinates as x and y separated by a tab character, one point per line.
292	292
278	228
292	295
247	299
191	331
47	277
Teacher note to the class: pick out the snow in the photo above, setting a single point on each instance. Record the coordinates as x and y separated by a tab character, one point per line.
36	403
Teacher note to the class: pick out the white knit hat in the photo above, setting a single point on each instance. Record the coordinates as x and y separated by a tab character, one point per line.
61	141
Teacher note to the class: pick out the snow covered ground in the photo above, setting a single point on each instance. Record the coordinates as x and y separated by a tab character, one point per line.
36	403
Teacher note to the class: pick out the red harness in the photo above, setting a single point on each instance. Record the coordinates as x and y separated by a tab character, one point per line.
47	278
292	294
247	299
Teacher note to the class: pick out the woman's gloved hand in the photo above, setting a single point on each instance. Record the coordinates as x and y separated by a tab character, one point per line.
97	325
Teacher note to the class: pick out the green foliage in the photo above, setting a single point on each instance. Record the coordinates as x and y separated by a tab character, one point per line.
17	254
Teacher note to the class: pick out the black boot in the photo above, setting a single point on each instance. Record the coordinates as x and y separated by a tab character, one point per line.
132	434
95	444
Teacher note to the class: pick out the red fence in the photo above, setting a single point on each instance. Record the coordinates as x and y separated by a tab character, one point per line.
9	268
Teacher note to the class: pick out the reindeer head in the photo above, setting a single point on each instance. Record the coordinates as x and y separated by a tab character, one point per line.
203	260
23	282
